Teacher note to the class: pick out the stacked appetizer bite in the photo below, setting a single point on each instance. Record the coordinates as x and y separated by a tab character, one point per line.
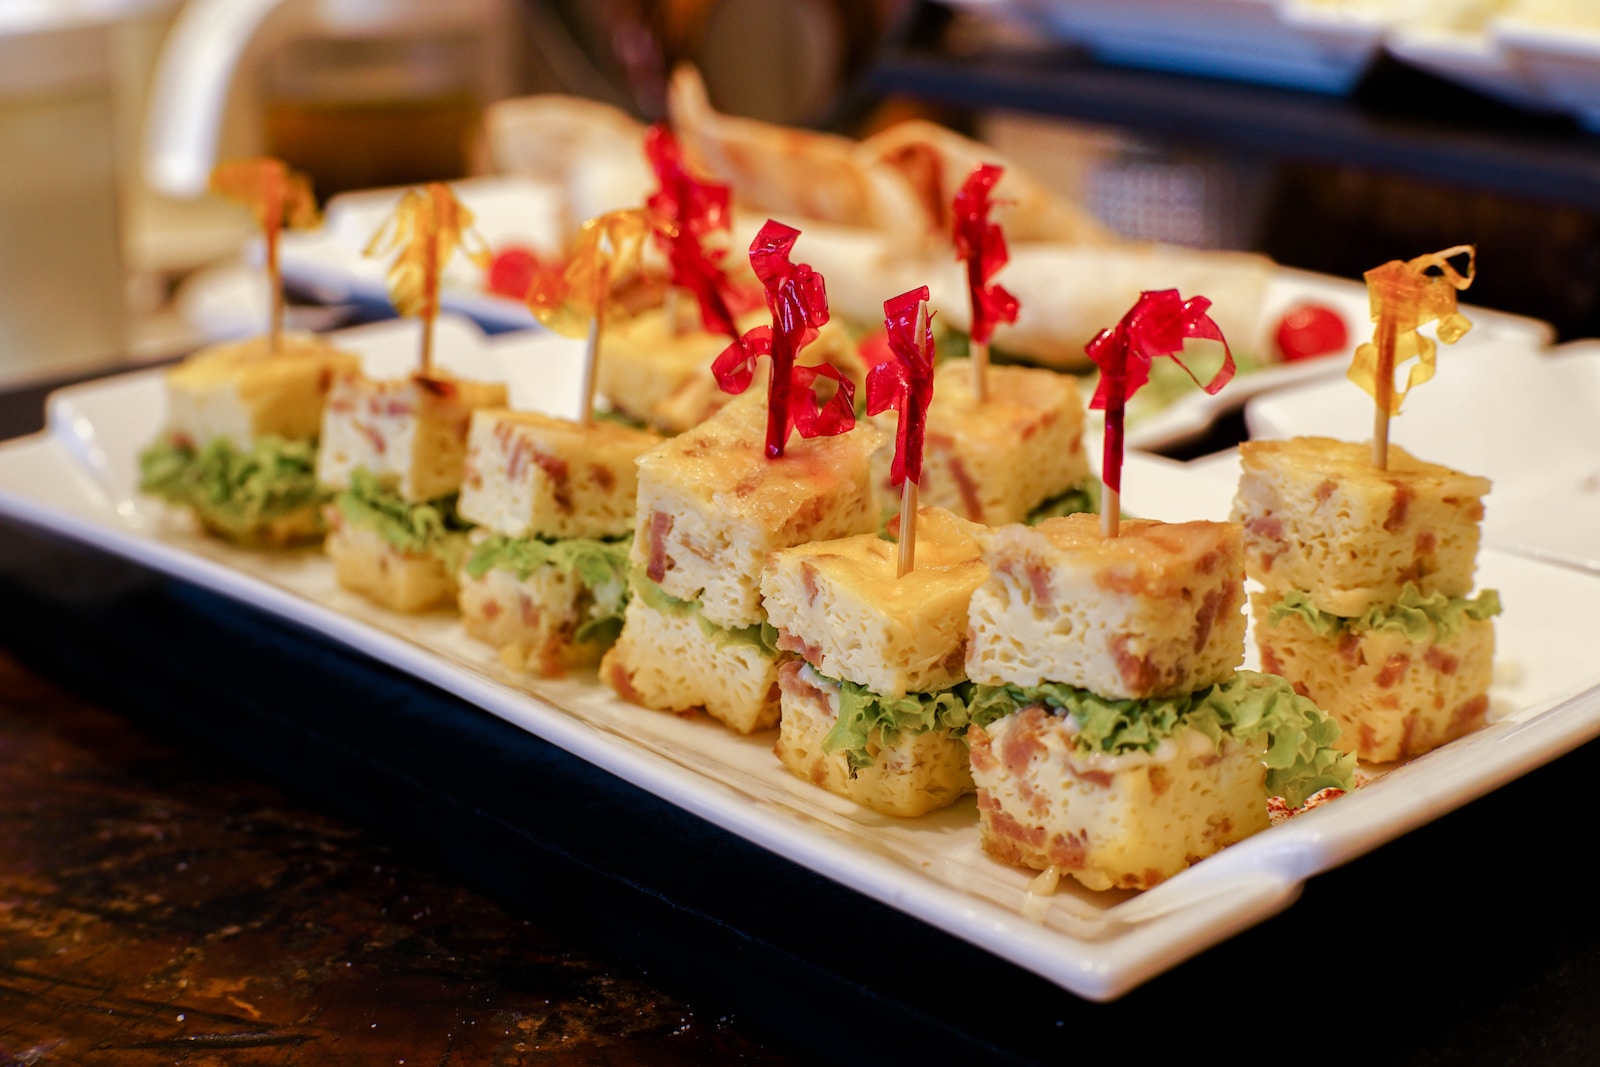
711	506
876	707
1015	456
715	501
547	578
1004	444
1129	746
1366	555
393	449
657	367
240	444
1366	602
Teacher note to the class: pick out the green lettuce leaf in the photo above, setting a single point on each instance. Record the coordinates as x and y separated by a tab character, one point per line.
234	490
418	529
602	567
1414	614
763	634
1300	756
1079	498
863	712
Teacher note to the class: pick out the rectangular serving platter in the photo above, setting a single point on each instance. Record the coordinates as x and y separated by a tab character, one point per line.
78	479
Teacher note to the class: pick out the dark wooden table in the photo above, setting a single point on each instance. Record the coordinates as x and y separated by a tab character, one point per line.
158	907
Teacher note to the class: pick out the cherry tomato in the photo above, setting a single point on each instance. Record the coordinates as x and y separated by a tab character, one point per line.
512	271
874	348
1311	330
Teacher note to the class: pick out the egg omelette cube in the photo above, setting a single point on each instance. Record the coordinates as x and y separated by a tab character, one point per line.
1393	697
363	562
242	391
410	431
669	661
1156	611
994	462
917	772
1320	518
646	361
1128	821
839	604
532	475
532	621
711	506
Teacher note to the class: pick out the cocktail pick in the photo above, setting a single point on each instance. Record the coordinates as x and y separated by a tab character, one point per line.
798	301
578	301
983	246
278	197
428	226
684	212
1157	325
1404	295
905	383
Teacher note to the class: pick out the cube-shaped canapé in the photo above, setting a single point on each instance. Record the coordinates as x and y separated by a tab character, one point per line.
1320	518
912	771
649	360
1127	821
711	506
409	432
532	475
243	390
1395	694
1156	611
840	606
994	462
669	658
364	562
546	621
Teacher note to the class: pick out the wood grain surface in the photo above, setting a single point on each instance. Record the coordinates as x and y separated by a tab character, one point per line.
158	908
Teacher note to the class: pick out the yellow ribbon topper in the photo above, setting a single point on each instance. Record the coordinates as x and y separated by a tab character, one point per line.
276	195
1404	296
428	227
606	249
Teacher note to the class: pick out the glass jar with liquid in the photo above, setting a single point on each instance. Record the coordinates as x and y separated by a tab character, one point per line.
394	105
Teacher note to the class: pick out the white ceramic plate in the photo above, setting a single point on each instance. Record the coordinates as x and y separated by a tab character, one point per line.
79	479
1526	419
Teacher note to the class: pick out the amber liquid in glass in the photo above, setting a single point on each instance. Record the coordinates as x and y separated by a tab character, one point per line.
372	143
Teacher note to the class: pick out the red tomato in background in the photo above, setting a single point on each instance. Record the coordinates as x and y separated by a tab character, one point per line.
511	272
874	348
1311	330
